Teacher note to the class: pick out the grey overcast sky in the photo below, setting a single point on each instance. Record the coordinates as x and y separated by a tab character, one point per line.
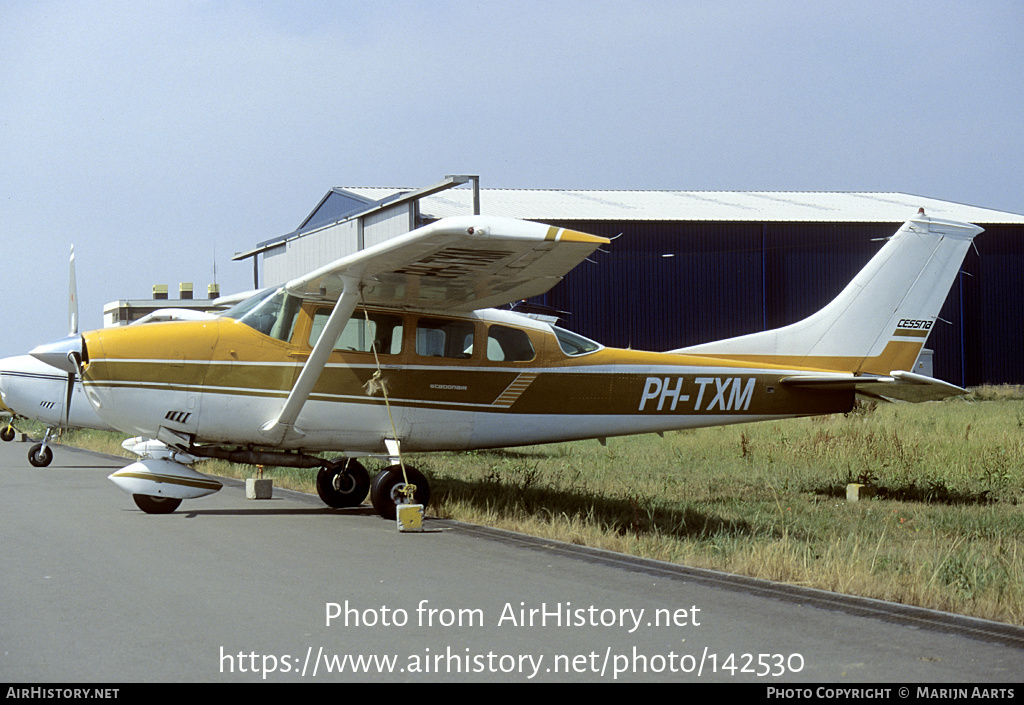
159	138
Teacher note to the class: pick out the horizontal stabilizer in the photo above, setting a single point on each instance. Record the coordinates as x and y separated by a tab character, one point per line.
897	386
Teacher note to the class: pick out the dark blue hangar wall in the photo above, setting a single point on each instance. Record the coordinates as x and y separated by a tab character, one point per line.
663	285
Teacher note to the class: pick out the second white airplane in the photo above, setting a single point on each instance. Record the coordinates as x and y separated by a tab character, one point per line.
31	389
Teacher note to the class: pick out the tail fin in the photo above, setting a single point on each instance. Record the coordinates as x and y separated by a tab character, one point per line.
881	320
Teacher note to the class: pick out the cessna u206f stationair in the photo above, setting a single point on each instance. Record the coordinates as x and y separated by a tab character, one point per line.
398	348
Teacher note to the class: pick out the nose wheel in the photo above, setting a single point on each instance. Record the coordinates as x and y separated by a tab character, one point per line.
156	505
40	455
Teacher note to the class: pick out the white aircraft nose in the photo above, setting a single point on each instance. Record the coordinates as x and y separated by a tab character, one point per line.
4	367
64	354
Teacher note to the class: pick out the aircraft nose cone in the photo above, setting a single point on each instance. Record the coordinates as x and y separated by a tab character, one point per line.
64	354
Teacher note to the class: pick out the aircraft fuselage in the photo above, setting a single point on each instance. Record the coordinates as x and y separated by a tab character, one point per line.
484	379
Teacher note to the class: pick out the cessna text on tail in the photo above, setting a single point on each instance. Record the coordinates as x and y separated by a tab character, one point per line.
397	348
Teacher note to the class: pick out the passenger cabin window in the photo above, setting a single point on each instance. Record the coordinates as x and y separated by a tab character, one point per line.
506	344
384	332
437	337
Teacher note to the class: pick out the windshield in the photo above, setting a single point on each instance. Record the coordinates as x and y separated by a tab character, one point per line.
574	344
246	305
271	312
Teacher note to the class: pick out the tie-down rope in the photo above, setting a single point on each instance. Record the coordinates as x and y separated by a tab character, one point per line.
377	380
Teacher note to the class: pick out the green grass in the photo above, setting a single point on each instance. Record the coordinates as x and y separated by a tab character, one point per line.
769	499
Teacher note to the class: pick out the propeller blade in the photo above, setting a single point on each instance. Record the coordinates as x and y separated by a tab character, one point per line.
67	399
72	298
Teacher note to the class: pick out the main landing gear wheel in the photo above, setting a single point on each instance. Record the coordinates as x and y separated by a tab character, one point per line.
386	491
344	485
39	455
155	505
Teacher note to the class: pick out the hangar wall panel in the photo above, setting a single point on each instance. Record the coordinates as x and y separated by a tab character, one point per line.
275	262
304	254
318	248
808	264
666	285
388	223
992	293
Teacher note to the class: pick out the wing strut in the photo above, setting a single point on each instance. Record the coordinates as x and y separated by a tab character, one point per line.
283	426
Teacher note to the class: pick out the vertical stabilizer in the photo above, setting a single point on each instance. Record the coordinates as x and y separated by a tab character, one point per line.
881	320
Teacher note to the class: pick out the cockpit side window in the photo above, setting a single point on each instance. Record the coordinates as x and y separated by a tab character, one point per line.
384	332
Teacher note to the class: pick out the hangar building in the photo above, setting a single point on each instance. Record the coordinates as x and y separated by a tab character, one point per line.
687	267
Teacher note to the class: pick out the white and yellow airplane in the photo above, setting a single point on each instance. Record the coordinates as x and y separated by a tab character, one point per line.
399	348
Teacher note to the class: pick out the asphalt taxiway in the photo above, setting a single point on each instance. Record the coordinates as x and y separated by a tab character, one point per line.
287	590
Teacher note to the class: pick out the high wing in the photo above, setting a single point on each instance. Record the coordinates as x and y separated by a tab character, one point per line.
456	264
899	385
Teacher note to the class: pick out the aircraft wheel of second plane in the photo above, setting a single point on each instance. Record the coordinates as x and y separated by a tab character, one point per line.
40	456
386	491
343	485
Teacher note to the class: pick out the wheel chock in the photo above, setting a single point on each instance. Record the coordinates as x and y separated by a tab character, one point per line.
409	517
259	488
857	493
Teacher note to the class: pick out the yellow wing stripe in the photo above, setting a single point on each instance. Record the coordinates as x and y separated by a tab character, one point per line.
562	235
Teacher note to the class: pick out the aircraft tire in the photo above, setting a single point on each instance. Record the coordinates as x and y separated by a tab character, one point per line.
7	433
344	486
385	492
156	505
40	456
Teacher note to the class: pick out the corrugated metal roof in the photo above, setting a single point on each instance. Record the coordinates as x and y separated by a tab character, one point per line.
757	206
